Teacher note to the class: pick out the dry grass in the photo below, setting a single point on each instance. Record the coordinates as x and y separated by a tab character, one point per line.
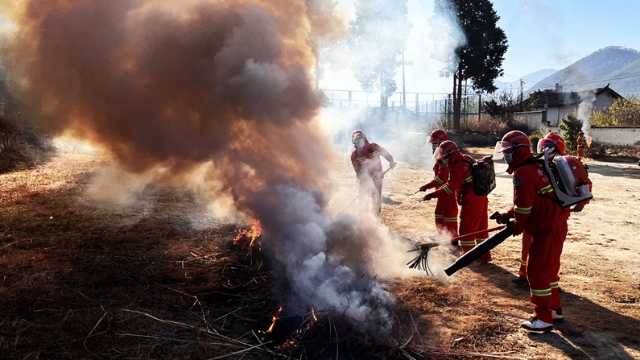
486	124
80	282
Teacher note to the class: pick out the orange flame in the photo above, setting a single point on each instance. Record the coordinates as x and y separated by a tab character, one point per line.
254	233
590	141
273	322
313	315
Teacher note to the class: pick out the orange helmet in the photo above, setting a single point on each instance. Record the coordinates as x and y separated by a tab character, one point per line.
445	150
511	141
581	133
552	139
438	136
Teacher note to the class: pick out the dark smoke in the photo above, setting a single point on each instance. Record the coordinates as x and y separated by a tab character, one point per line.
180	84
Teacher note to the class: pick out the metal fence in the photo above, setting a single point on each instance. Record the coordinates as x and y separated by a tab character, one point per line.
428	107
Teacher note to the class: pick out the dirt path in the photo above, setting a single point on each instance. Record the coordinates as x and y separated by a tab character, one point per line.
70	270
600	272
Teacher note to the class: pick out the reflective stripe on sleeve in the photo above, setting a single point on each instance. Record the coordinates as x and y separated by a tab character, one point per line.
467	243
524	211
454	219
439	181
554	285
373	154
523	262
447	190
546	189
469	179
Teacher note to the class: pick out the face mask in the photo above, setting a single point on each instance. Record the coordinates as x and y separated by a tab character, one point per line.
360	143
508	158
434	147
445	161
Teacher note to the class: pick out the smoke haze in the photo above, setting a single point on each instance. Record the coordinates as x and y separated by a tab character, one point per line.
218	90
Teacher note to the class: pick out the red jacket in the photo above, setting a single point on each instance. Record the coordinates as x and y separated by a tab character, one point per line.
366	161
441	175
535	214
460	183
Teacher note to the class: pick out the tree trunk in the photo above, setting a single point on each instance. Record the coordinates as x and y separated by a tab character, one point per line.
455	95
457	102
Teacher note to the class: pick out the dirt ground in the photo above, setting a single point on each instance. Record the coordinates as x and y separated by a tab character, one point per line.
158	280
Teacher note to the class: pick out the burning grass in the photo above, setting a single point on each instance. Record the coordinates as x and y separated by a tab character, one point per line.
82	281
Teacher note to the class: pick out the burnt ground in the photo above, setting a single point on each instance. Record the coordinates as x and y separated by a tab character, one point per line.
81	281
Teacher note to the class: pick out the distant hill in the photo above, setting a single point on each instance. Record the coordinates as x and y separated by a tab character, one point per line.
617	66
529	80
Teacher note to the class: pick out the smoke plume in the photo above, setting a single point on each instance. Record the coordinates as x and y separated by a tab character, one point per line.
584	111
221	85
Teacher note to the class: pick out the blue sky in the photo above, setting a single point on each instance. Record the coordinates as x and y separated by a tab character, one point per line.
542	34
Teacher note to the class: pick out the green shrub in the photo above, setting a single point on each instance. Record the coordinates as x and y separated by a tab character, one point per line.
570	126
534	138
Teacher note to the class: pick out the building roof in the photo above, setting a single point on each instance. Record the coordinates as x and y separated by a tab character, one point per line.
553	98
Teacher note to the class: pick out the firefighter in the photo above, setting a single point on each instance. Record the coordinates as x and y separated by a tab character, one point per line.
580	145
446	213
542	218
473	208
368	167
556	143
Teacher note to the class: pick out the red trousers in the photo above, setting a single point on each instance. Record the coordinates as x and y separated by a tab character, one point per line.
473	217
580	152
542	271
526	243
370	188
447	216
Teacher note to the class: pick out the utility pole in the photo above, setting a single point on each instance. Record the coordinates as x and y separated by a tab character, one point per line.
521	94
404	93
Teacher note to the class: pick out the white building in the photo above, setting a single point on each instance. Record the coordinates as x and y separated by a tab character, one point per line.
558	104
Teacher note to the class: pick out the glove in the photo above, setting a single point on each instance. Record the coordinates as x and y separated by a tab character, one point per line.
578	208
512	226
503	218
428	197
423	188
392	165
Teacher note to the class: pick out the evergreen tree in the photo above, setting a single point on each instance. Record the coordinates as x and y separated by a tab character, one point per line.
570	127
480	58
378	36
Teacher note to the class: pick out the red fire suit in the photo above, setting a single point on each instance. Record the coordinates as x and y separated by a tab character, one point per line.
580	147
546	221
473	208
526	243
368	167
446	213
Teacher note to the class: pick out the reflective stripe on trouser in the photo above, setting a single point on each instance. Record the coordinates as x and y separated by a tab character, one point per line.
542	270
370	188
448	207
526	243
473	218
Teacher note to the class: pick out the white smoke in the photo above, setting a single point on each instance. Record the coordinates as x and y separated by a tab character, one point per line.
446	34
584	111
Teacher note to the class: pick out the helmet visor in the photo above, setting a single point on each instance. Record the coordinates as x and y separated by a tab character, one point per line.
501	148
433	140
545	143
438	154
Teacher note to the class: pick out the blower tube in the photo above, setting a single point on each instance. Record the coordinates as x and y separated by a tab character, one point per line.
477	251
